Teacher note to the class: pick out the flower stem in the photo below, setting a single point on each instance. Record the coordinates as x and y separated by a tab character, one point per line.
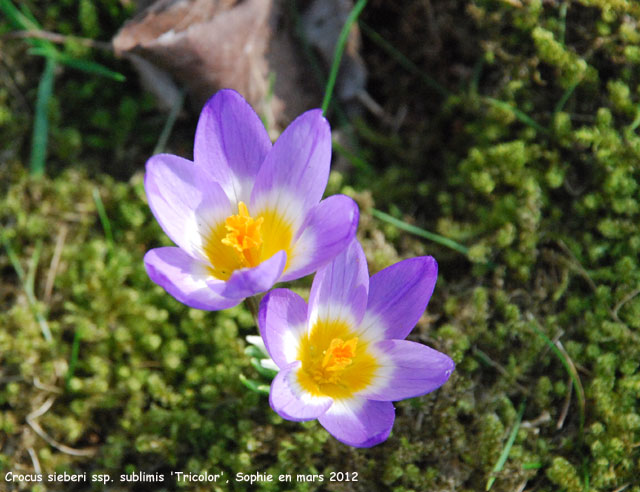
253	304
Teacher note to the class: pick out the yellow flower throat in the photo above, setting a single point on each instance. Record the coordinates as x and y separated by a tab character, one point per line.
242	241
244	235
334	362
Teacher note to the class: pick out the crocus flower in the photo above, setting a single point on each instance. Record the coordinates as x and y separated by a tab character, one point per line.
343	359
244	214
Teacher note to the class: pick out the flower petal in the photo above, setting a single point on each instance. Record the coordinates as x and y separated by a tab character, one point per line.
294	174
248	282
290	401
186	279
329	228
283	321
358	422
185	201
231	143
413	370
398	295
339	289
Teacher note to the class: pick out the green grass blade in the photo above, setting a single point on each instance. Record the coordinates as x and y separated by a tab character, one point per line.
73	358
337	56
28	14
436	238
268	98
168	124
104	219
570	368
307	50
475	78
30	279
357	162
507	448
562	28
565	97
90	67
636	122
27	286
77	63
520	115
402	60
16	18
41	119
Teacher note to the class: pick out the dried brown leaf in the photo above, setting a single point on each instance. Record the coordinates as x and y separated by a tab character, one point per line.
206	45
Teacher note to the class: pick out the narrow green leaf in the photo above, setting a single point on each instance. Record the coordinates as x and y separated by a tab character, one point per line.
358	163
418	231
29	15
263	371
507	448
27	286
16	18
565	97
78	63
104	219
40	135
570	368
30	279
255	352
255	386
73	359
402	60
636	122
337	56
168	125
520	115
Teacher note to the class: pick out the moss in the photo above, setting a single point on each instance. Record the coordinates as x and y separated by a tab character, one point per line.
564	475
572	69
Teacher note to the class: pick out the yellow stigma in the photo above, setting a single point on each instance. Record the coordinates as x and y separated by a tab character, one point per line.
339	355
333	362
244	235
241	241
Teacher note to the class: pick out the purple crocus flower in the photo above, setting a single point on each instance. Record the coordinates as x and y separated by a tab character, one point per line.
245	214
343	358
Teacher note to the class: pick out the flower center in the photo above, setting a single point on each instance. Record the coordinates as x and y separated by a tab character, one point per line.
241	241
244	235
334	362
336	358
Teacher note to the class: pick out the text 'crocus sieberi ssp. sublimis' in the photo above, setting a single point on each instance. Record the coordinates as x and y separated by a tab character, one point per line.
343	358
245	214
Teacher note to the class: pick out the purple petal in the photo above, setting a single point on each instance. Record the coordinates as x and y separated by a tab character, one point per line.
231	143
358	422
412	369
185	201
283	321
186	279
290	401
330	227
294	174
398	295
339	289
248	282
